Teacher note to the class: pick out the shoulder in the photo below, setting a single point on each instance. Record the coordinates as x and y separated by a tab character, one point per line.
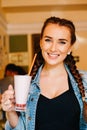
82	71
83	74
84	77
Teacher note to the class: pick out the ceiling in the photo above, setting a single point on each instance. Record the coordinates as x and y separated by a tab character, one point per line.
11	6
20	12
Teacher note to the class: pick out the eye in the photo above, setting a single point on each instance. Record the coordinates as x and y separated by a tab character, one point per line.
47	39
62	42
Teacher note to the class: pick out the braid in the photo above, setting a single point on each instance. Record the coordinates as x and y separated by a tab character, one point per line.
39	60
72	65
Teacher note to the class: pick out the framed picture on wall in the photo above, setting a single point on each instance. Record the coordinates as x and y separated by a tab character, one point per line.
35	42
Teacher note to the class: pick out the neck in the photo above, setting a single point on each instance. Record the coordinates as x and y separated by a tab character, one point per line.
54	70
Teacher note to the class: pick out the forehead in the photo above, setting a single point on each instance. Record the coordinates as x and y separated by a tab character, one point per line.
56	30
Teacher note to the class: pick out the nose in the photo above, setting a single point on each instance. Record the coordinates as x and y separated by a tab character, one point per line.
53	46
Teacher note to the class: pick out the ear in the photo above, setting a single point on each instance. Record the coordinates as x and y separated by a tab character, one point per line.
69	51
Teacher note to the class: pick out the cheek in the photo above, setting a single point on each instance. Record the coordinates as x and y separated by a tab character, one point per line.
64	49
44	46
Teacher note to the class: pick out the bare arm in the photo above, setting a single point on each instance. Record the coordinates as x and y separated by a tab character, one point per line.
12	117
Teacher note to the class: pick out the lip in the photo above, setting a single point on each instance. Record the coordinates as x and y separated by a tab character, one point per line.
53	55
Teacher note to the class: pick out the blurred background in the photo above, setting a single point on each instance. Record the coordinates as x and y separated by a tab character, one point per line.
20	25
21	22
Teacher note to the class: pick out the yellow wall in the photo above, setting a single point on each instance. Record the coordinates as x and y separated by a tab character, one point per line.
3	42
80	49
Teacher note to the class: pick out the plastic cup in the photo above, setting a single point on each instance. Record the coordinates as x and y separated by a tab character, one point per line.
21	87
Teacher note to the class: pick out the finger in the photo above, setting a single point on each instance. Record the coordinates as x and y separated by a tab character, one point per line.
6	97
8	92
7	105
10	87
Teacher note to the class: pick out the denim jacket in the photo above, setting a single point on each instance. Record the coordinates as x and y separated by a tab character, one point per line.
27	119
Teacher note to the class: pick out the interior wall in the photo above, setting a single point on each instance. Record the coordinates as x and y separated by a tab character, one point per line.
80	49
4	50
39	17
3	43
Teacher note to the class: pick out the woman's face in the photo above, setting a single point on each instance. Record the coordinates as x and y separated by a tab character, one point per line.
55	44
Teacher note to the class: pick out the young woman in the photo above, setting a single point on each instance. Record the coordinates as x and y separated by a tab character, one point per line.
57	90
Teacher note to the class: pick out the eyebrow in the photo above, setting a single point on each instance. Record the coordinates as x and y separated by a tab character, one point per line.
47	37
63	39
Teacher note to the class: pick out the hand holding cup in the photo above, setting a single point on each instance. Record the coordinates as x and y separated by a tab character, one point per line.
8	99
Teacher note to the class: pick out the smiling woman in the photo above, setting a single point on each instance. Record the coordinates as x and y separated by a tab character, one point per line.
57	92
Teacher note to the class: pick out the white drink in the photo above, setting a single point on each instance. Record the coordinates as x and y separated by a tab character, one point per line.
21	86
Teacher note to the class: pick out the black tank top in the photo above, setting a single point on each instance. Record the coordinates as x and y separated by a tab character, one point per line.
59	113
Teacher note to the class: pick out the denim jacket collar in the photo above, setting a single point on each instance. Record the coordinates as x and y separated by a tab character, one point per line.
37	77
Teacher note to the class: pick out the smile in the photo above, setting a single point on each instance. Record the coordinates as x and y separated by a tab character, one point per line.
53	55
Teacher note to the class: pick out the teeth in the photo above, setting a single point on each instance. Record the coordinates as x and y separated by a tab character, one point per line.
53	54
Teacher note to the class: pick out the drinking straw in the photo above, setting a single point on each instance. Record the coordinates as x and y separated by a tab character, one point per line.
32	64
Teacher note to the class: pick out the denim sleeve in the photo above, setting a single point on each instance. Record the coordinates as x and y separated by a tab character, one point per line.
20	125
83	125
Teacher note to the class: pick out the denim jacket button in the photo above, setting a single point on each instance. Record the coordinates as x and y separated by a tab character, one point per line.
29	118
32	99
